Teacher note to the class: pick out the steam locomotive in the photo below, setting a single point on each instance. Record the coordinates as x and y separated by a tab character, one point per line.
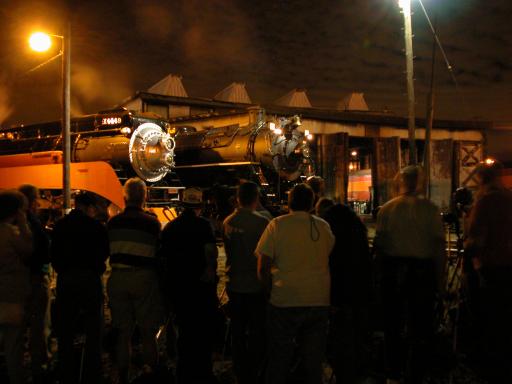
164	156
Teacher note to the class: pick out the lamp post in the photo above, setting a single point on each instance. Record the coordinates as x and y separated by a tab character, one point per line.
41	42
405	5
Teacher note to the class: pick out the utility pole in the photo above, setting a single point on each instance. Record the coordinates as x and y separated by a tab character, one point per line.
429	123
406	10
66	118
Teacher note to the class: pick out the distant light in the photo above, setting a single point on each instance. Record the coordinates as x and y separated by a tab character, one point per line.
489	161
278	131
351	166
405	5
272	125
126	131
353	153
40	42
310	137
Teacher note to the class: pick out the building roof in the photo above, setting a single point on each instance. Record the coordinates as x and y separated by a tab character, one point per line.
325	114
295	98
372	118
353	102
235	93
170	85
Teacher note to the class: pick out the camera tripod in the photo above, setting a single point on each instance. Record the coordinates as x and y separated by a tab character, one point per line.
455	295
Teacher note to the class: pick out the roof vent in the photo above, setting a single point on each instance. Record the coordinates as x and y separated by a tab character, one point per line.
353	102
234	93
295	98
170	85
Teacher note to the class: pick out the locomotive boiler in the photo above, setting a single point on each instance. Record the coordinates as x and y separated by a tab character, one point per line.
268	151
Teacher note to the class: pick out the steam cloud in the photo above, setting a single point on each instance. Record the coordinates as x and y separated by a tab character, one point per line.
99	85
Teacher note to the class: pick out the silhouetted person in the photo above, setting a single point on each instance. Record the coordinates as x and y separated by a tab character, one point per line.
247	298
15	251
317	184
350	267
37	304
188	243
295	249
409	241
79	250
133	287
322	206
489	245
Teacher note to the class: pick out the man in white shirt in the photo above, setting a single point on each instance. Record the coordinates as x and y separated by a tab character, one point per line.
295	250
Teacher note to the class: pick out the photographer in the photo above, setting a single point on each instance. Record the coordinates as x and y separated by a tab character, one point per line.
489	247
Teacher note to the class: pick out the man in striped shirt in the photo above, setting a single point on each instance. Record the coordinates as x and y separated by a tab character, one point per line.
133	288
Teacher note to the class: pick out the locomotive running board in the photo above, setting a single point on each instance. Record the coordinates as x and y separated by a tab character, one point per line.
217	164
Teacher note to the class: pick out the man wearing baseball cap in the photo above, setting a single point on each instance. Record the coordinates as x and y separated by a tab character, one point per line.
188	243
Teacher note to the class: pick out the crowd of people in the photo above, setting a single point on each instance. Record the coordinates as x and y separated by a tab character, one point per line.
300	285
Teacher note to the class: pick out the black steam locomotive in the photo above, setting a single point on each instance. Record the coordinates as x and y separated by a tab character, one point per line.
269	152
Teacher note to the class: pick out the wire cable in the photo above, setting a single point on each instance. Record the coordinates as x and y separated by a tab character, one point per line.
449	66
43	63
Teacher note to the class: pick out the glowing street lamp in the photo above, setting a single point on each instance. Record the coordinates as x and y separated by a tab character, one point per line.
41	42
405	5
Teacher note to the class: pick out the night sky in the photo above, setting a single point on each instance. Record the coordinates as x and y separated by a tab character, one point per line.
328	47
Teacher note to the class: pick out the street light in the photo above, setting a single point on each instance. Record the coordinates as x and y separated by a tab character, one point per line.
41	42
405	5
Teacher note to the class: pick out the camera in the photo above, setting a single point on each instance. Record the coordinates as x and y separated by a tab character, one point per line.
462	199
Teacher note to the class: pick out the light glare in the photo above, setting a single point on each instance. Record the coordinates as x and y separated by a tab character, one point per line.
126	130
405	5
40	42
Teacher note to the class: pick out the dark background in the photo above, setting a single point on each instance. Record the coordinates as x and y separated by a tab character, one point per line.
329	47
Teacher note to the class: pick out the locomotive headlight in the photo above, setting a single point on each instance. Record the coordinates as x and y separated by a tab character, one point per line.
309	137
126	131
